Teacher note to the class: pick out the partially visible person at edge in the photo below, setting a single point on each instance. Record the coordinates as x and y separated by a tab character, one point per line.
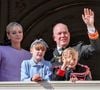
36	68
61	36
70	68
11	56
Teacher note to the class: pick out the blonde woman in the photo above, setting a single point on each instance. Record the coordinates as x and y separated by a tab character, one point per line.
11	56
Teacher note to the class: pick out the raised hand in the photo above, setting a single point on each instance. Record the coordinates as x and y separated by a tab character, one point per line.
88	17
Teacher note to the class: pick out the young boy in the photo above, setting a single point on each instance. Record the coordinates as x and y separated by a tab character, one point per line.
36	69
70	68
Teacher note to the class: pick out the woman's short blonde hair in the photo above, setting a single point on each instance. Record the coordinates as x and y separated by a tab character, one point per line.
11	25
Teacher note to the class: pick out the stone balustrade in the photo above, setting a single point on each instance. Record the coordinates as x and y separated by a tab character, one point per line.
51	85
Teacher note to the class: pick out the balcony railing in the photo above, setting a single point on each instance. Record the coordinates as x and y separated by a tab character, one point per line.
52	85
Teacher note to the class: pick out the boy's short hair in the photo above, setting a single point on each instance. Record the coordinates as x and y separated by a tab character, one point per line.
73	51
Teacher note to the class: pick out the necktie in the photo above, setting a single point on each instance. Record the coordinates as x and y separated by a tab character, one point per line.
60	50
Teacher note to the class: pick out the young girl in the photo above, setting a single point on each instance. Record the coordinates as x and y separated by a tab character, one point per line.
36	69
70	68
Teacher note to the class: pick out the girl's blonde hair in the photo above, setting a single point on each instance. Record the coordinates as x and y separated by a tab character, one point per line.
39	44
